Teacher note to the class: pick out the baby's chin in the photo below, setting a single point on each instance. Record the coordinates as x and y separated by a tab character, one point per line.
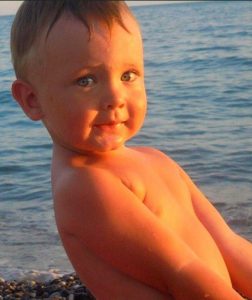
108	142
94	145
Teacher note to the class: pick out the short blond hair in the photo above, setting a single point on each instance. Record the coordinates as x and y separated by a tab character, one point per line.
37	17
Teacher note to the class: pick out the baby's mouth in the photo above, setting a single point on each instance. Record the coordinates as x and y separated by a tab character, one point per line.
111	127
110	135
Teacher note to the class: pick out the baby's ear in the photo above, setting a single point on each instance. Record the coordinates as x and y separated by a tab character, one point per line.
27	99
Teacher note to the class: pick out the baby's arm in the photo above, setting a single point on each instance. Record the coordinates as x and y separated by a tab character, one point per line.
101	214
236	251
105	282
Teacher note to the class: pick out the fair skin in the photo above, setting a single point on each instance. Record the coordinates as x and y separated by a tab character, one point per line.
133	223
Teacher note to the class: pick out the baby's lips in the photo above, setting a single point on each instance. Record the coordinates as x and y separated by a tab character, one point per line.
110	127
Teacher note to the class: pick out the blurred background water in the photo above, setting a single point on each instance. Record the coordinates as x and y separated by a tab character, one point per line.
198	60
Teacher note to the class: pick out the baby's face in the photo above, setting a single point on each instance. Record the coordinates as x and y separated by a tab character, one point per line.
92	91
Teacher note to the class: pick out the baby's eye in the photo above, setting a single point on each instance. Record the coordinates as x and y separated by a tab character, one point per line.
85	81
129	76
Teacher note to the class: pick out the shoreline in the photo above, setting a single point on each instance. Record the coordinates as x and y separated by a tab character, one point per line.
66	287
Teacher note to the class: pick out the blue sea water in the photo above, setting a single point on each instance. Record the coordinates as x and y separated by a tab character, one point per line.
198	60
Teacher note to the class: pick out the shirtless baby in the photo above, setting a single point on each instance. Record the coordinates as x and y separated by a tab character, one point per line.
133	223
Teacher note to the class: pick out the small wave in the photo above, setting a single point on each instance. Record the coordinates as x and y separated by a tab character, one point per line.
214	48
38	275
11	169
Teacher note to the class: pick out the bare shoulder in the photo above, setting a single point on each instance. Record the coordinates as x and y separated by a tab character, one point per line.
151	151
158	156
79	192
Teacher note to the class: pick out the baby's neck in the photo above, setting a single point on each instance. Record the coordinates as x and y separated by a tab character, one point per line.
64	152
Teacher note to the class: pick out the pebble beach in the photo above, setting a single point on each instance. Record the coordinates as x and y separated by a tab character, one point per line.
67	287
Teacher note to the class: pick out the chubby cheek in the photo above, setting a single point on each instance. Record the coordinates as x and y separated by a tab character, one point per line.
68	124
74	132
137	111
78	125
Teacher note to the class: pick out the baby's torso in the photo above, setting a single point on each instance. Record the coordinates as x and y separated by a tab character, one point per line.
157	184
161	188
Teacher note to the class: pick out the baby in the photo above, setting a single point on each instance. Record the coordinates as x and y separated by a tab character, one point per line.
133	223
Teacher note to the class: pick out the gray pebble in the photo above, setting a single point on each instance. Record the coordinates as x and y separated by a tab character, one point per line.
68	287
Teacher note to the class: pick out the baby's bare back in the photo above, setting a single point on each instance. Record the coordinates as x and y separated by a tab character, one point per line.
153	186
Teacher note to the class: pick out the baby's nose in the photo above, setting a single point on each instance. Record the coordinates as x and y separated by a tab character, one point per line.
114	99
